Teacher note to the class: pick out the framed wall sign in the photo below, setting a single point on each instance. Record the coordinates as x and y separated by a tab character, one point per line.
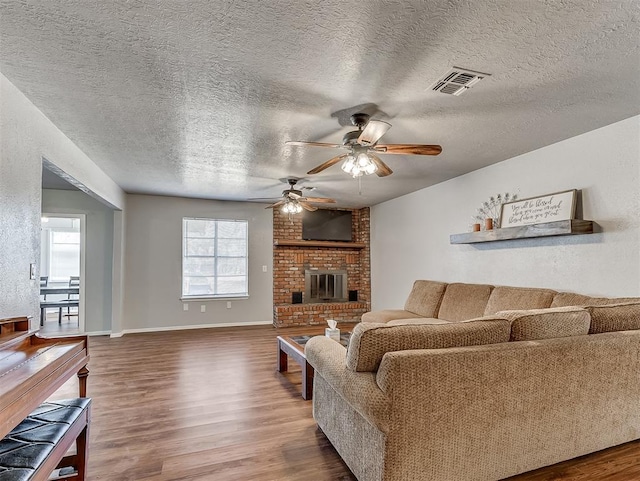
537	210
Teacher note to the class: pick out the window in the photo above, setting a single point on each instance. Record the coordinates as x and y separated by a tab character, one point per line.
214	258
64	257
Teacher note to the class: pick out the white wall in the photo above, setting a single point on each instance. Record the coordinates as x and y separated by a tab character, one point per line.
153	261
26	136
98	255
410	235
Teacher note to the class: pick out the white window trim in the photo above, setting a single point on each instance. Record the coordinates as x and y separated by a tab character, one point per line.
212	297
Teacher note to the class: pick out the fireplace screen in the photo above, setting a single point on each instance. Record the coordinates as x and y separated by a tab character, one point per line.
325	286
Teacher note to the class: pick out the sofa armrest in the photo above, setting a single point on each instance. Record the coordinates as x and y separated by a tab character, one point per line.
325	354
359	389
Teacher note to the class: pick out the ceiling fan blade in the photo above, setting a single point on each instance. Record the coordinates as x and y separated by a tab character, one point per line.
373	131
314	144
293	195
317	200
383	169
408	149
273	206
327	164
306	206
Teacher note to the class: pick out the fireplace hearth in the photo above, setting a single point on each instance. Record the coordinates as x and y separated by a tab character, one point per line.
325	286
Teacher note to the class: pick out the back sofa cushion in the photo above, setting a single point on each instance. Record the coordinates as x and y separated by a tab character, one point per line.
425	297
464	301
614	317
504	298
562	299
369	342
536	324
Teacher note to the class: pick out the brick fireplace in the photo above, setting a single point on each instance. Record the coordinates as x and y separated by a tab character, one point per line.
294	257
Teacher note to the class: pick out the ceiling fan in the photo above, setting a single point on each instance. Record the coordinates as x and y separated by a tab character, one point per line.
363	148
293	201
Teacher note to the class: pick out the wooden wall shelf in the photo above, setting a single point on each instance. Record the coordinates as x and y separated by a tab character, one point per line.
305	243
547	229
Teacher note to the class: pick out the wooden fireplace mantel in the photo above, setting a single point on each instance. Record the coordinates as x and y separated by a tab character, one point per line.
305	243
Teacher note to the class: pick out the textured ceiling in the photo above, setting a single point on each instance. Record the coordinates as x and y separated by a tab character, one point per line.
196	98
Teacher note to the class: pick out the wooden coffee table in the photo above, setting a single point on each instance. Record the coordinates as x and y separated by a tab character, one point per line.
289	347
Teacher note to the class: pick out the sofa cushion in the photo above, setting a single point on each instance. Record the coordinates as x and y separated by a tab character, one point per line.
417	320
425	297
614	317
369	342
504	298
535	324
387	315
562	299
464	301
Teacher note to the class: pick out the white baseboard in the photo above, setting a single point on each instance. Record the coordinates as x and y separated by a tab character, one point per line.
193	326
98	333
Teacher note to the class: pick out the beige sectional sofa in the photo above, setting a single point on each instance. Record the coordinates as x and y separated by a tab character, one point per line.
474	382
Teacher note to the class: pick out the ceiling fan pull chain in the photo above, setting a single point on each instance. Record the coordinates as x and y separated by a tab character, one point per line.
360	185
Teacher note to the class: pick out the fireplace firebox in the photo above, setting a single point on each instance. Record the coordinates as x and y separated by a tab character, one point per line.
325	286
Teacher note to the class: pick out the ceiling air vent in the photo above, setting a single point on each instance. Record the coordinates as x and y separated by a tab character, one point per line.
457	81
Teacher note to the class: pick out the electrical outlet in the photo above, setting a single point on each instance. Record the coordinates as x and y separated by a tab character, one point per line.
203	308
185	307
228	304
264	268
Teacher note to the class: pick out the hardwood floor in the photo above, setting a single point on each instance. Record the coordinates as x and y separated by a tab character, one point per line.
209	405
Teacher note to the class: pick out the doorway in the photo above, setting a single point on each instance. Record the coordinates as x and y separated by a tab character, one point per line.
62	262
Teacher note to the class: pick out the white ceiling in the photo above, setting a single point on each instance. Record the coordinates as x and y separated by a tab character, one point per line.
197	98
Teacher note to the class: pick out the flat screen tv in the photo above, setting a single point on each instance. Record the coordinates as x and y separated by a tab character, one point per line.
328	225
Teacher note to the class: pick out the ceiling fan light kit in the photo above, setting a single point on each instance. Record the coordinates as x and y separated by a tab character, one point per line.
293	202
291	207
357	166
362	144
